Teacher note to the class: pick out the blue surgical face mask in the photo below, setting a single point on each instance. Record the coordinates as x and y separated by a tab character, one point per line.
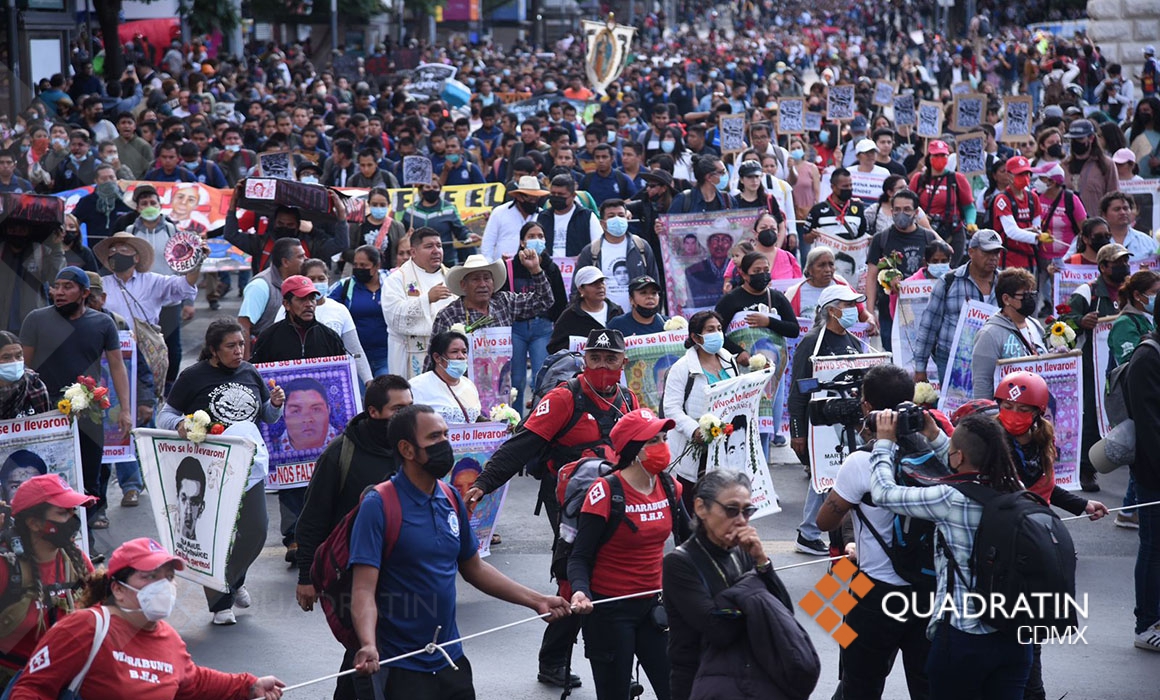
536	245
456	368
322	288
824	137
713	342
617	226
938	269
723	184
849	317
797	154
11	371
1147	307
668	146
379	212
309	180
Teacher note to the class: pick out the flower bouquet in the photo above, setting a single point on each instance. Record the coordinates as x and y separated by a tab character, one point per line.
758	362
710	428
86	398
890	271
198	425
676	323
504	413
1061	333
925	395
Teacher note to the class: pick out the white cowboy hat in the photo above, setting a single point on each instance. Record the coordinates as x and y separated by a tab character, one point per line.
476	263
141	246
528	184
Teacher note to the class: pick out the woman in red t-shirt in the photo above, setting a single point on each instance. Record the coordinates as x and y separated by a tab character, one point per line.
49	566
140	655
627	560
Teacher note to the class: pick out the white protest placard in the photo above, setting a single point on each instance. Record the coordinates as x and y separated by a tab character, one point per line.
904	112
489	365
884	93
1146	193
732	130
119	448
473	445
840	104
968	111
850	257
930	118
825	443
956	382
1069	277
790	115
735	401
1017	119
972	153
913	298
1101	363
1063	373
276	165
812	120
867	186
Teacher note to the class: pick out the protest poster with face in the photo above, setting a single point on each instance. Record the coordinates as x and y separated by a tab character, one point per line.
695	249
972	154
473	444
1064	376
930	119
904	113
826	442
968	112
735	402
119	448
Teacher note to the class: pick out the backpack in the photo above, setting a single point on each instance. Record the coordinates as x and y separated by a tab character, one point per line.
1116	394
330	572
557	368
572	484
1022	550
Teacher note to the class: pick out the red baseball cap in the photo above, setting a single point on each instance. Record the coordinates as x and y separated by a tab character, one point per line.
298	285
640	425
142	554
1018	164
937	148
47	488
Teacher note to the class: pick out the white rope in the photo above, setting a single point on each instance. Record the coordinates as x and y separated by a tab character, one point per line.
1112	510
435	647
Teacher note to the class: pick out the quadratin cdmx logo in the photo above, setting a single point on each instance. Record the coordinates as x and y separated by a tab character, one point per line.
834	596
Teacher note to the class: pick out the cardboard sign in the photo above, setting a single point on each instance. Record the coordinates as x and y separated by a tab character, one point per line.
972	155
904	114
840	104
1017	119
417	170
968	112
930	119
791	115
732	128
884	93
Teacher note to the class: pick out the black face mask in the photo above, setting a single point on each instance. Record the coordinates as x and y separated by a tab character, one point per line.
71	237
60	534
1079	148
527	207
1100	242
1119	273
431	196
760	280
1028	304
284	232
845	195
558	203
119	262
440	459
645	311
68	310
362	274
767	237
1055	150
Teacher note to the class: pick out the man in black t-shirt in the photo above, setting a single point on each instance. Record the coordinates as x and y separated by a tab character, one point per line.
907	240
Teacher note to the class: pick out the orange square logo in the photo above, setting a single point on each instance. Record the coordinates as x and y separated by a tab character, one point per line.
834	596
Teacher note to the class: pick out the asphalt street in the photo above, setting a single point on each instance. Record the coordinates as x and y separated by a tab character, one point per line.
275	637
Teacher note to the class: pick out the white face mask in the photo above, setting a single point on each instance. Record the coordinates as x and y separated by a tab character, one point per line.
156	600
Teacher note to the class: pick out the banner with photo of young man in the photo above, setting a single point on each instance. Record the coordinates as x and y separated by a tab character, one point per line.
37	445
956	387
771	346
649	358
1063	373
735	402
196	492
119	448
825	441
489	365
1102	363
695	252
913	298
474	444
322	395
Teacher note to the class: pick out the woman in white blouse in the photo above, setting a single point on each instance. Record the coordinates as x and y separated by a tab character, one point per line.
446	387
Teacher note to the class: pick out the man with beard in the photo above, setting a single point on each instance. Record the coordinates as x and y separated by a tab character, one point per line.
26	266
357	459
67	340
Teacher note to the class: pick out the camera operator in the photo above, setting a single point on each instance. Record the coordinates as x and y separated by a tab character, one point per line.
837	313
867	661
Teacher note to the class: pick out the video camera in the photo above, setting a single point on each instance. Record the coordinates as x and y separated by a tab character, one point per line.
844	409
911	419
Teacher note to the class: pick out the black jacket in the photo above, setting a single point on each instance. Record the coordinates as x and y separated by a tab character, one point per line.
328	498
574	321
1143	390
282	341
578	234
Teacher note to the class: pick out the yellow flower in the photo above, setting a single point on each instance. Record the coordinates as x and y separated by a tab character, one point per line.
715	432
64	406
1058	328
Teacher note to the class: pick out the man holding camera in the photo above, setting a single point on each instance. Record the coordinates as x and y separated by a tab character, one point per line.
837	313
867	661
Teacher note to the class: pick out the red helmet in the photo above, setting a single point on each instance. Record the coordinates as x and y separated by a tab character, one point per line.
982	406
938	148
1023	387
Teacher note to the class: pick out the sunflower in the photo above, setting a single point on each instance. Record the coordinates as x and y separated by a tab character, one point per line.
64	406
715	432
1059	328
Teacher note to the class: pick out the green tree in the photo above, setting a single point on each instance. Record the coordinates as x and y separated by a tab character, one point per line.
204	17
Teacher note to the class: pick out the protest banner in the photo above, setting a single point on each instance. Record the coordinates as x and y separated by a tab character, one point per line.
608	45
735	402
416	170
1069	277
956	384
1146	194
732	130
849	257
812	120
322	396
195	493
695	251
972	153
474	444
489	365
840	104
761	341
867	186
47	443
968	111
913	297
119	448
649	358
790	115
859	331
1102	363
962	87
276	165
1063	373
930	119
884	93
826	442
1017	119
567	267
904	113
428	80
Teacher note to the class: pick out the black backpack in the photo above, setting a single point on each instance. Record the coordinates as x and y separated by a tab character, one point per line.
1021	549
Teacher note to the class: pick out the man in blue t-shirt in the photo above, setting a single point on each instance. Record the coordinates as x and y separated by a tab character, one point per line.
397	604
645	317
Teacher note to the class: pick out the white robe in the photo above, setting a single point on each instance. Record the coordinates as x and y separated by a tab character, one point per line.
410	316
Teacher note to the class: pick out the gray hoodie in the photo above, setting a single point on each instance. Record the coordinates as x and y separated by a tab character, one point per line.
999	339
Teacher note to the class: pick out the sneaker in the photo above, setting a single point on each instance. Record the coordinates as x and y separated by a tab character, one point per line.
291	556
1129	521
131	498
555	676
242	598
224	617
1149	639
816	548
779	441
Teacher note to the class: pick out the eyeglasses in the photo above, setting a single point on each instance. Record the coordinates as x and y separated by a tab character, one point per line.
734	511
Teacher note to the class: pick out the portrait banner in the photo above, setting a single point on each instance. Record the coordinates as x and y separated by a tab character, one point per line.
118	448
884	93
825	443
695	251
1146	194
1102	363
904	114
608	46
1017	119
489	365
849	257
322	396
47	443
761	341
956	386
735	402
1069	277
913	298
474	444
649	358
567	267
196	493
1063	373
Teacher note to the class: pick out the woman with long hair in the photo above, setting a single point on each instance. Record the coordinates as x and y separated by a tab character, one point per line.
530	338
362	294
445	387
1092	174
1144	136
1094	233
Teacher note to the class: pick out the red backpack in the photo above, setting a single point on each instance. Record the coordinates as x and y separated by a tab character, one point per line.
330	573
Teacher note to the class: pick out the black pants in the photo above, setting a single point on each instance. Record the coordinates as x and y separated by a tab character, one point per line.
355	686
616	632
1035	689
290	502
170	322
249	539
447	684
868	660
559	636
1090	433
92	449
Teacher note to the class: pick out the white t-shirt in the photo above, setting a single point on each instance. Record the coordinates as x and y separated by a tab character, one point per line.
852	484
601	316
560	241
331	314
614	265
428	389
809	296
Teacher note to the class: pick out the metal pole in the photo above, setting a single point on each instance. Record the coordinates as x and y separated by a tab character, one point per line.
334	25
14	61
632	13
89	29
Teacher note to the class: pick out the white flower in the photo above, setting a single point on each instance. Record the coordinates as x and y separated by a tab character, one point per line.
676	323
79	402
74	392
757	362
924	394
707	422
458	328
195	435
201	418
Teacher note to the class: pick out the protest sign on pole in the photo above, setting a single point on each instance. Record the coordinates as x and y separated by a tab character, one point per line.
849	257
770	345
913	298
1069	277
119	448
649	358
46	443
1017	119
840	103
930	120
735	402
322	395
1102	362
956	382
968	111
904	113
474	444
790	115
195	493
1063	373
695	250
608	45
1146	194
884	93
826	447
489	365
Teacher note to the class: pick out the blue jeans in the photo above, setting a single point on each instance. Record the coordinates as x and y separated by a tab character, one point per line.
1130	495
529	340
968	666
1148	561
378	366
128	476
809	526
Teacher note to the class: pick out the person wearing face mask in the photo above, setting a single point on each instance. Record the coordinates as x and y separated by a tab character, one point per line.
623	556
1091	173
75	252
1062	211
710	192
645	315
1013	332
129	603
904	239
379	228
572	421
446	387
1015	213
419	436
618	247
840	214
133	290
361	295
22	393
568	227
51	566
238	162
432	210
946	197
501	235
101	210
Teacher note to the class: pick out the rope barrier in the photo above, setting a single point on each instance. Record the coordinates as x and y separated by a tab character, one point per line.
1112	510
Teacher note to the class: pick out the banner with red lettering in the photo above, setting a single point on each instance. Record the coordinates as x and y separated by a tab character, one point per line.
474	444
322	396
489	366
195	494
118	448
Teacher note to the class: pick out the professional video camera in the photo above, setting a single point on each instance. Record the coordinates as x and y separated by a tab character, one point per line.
844	409
911	419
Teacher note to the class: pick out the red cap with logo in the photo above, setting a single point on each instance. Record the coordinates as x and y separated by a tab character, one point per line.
47	488
298	285
1018	164
640	425
938	148
142	554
